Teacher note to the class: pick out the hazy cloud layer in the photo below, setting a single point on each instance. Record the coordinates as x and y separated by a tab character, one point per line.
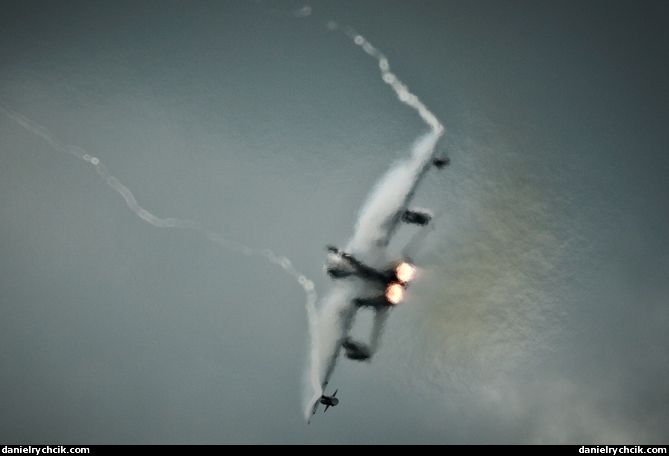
540	311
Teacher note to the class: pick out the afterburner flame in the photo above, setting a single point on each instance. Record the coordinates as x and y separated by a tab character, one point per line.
405	272
394	293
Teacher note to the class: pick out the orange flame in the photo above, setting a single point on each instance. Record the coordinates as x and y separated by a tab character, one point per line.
395	293
405	272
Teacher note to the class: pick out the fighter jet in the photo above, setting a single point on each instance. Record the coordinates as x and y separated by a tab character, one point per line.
365	274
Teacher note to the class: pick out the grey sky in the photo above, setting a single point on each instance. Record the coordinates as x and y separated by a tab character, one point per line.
540	314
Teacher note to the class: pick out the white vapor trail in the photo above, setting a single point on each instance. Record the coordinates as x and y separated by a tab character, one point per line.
402	91
170	222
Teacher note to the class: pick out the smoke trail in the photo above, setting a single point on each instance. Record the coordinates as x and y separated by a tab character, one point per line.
488	302
301	12
402	91
170	222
